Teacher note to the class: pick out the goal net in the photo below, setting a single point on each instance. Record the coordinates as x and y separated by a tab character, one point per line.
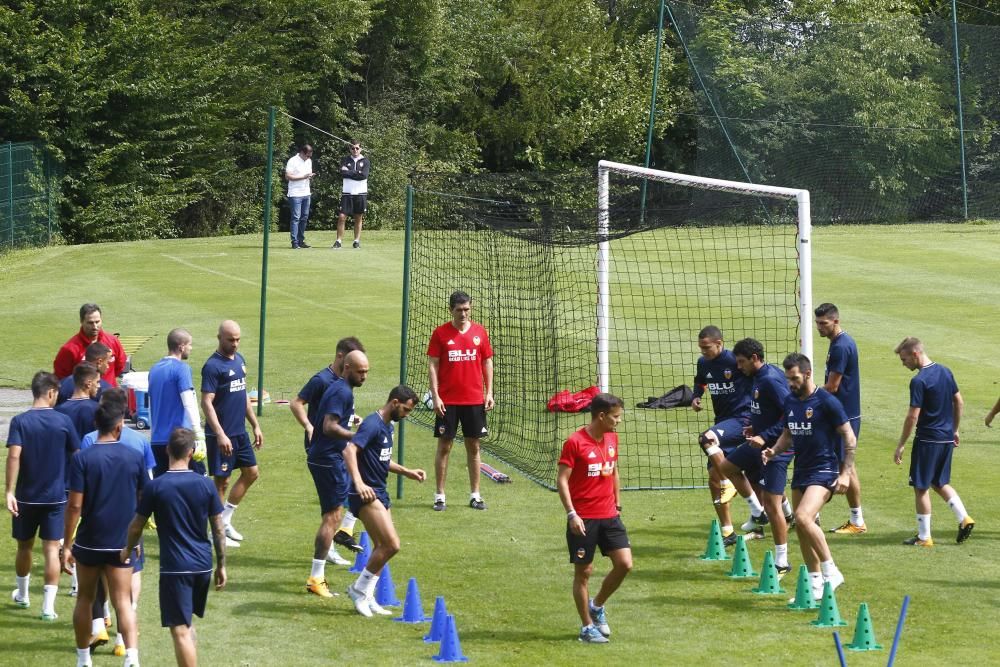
611	291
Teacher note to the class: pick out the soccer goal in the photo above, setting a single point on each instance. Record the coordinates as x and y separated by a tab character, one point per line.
612	290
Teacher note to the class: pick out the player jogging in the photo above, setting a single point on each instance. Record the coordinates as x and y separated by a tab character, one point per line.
460	374
814	426
369	461
183	502
935	412
588	487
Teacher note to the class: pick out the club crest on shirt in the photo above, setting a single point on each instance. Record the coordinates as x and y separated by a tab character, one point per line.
728	373
611	451
756	392
809	413
476	340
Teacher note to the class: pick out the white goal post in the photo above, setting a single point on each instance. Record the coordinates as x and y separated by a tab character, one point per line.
801	197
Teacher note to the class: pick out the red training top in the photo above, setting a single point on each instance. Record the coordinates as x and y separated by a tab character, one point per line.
74	351
592	482
461	357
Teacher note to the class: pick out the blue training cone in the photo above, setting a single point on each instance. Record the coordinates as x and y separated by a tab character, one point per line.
437	621
361	558
451	649
413	608
385	590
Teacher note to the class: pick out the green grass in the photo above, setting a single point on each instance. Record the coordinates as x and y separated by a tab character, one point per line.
504	572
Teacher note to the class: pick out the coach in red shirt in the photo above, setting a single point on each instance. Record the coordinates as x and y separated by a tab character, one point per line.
460	373
589	490
75	349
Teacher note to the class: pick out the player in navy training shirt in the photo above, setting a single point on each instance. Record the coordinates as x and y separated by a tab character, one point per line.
304	408
331	433
104	484
369	461
814	426
935	411
182	502
843	380
97	354
39	443
729	389
225	402
81	406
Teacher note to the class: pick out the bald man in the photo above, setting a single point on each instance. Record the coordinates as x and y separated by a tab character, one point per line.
331	433
225	402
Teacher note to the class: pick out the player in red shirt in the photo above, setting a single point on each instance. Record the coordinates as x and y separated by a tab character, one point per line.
589	490
460	366
74	350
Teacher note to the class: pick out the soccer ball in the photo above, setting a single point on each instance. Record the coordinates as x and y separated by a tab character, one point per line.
428	401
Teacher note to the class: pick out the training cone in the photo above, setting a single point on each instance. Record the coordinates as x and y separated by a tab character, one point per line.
413	608
769	584
451	649
803	592
437	621
361	558
385	590
742	568
716	549
864	633
829	615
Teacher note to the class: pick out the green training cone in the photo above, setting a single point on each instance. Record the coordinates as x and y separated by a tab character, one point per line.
829	615
803	592
769	583
716	549
864	633
742	567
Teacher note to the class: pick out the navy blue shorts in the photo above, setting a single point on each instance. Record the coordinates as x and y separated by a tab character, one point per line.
856	427
747	458
729	433
803	478
181	596
472	418
163	461
93	558
223	466
331	484
354	501
774	475
930	464
608	534
45	520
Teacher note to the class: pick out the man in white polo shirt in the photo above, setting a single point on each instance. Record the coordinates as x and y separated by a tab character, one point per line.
354	200
298	172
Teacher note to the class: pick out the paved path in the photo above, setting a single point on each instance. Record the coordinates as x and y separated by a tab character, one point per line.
12	402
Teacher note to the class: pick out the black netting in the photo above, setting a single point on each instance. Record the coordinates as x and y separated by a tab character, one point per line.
525	248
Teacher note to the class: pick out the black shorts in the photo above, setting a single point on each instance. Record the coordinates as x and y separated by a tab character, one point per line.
354	204
472	418
181	596
608	534
97	558
44	520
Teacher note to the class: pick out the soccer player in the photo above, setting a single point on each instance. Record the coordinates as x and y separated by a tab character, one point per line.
992	413
304	408
81	406
104	484
369	461
225	402
460	374
730	392
183	503
816	427
935	411
73	351
843	380
39	443
172	401
331	433
97	354
588	487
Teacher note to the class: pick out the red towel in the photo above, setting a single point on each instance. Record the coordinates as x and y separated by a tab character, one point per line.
564	401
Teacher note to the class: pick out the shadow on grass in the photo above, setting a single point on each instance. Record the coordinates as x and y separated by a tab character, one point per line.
298	607
26	625
512	635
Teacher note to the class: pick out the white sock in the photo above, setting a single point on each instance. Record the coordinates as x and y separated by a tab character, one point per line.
816	579
594	606
958	507
107	609
96	625
781	555
724	483
22	586
924	526
347	524
119	640
318	568
83	657
827	568
727	529
49	599
755	507
439	497
786	507
366	582
72	578
475	496
857	518
131	656
227	513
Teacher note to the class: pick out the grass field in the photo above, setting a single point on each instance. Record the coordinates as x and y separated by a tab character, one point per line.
503	572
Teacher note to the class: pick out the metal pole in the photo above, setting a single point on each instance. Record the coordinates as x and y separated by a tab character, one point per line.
961	120
407	242
652	106
263	261
10	189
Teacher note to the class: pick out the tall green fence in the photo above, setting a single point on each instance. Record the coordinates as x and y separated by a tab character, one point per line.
28	195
